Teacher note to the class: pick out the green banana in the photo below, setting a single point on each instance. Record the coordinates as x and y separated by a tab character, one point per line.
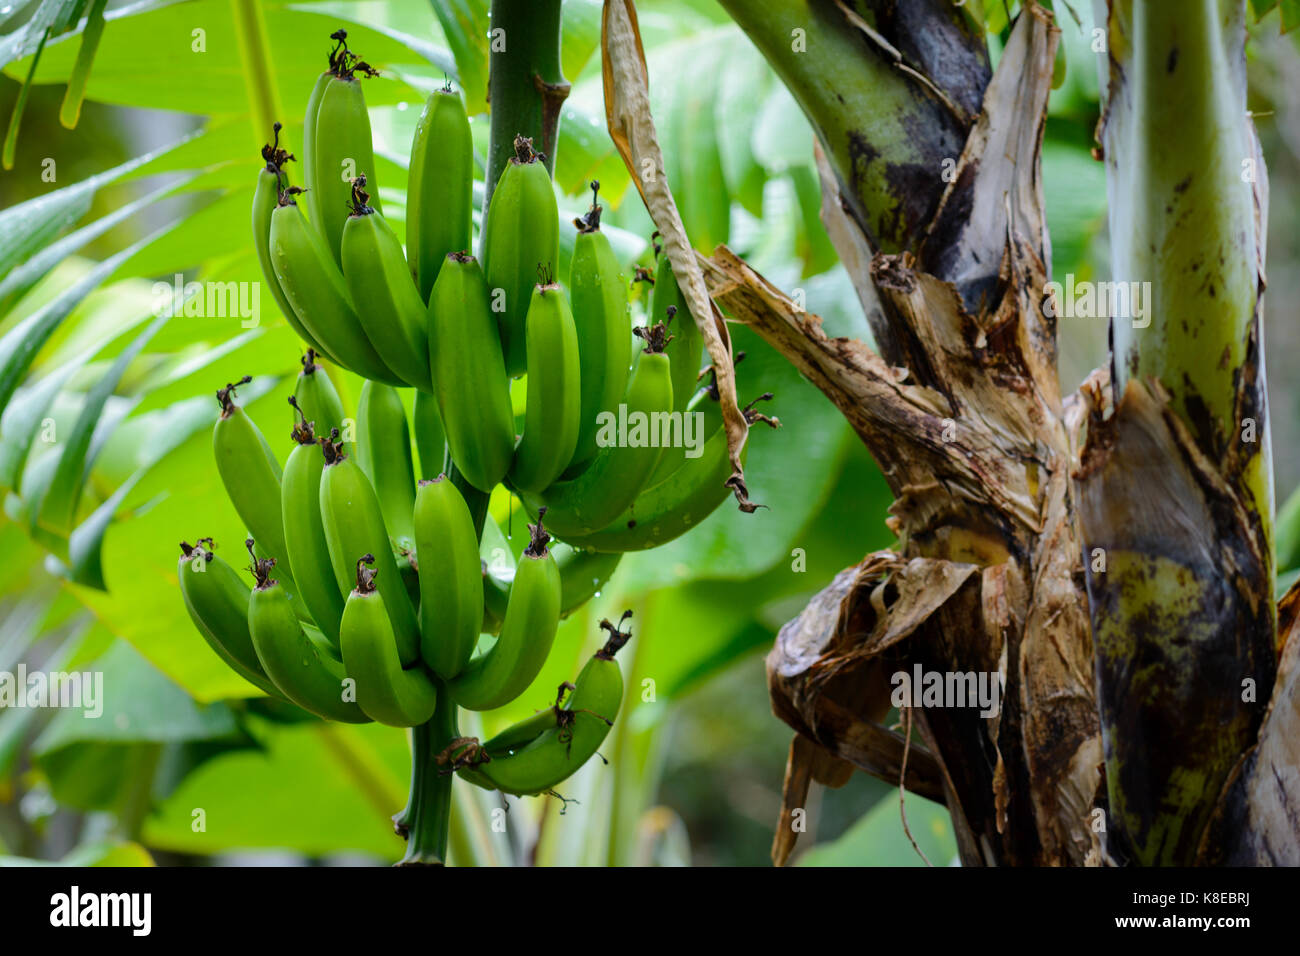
600	315
451	578
339	147
677	503
217	600
430	438
582	574
249	470
317	91
385	691
685	345
521	234
315	288
439	194
384	454
317	398
537	754
468	373
306	547
354	525
531	620
554	392
272	180
583	505
305	672
392	312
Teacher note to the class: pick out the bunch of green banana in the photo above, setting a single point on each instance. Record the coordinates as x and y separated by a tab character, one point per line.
536	754
521	235
371	600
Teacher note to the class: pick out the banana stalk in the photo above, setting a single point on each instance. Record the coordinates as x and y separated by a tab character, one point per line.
526	84
1174	486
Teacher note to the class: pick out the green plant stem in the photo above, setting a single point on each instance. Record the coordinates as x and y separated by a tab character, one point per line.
430	805
526	84
259	78
10	149
885	133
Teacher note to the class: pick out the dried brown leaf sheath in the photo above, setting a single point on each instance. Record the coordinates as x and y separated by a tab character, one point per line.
627	114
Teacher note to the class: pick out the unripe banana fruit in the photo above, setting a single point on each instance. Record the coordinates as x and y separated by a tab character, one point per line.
685	345
354	525
537	754
451	580
439	190
521	235
272	181
317	398
600	315
469	375
315	288
217	601
384	454
304	671
531	620
385	691
554	392
337	146
589	502
306	547
389	305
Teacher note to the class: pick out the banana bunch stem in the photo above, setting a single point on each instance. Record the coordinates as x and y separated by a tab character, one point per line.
526	84
428	814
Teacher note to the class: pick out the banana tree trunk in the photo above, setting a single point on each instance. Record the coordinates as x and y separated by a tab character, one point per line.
1104	558
1174	482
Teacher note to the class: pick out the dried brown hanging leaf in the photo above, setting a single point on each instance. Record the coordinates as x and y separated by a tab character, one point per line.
632	128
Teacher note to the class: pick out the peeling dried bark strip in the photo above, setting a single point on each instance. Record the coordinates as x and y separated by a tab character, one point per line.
1060	727
631	126
846	727
997	187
